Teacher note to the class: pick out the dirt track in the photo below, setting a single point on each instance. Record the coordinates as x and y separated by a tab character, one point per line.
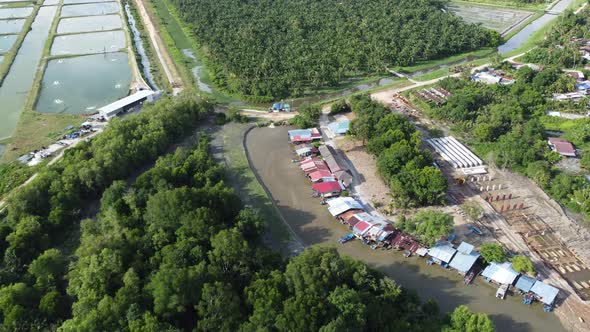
163	56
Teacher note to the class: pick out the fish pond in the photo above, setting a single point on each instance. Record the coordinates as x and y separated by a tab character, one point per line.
89	24
69	87
6	42
19	12
90	9
11	26
70	2
89	43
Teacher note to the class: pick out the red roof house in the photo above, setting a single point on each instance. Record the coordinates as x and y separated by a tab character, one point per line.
327	188
321	175
561	146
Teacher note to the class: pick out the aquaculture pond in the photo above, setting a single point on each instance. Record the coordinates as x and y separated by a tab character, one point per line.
6	42
69	86
69	2
50	2
17	83
90	9
88	43
20	12
89	24
11	26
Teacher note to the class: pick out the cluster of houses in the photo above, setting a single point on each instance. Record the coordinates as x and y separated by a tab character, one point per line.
330	178
492	76
465	260
436	95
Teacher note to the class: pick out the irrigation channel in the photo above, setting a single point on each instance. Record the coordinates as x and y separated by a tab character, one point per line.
523	35
270	155
139	49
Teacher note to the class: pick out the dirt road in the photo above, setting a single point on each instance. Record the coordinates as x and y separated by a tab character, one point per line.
165	60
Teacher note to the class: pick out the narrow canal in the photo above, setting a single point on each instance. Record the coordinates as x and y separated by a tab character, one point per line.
523	35
137	42
271	158
17	84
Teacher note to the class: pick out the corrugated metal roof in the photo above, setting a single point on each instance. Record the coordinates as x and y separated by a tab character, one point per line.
339	127
546	293
342	204
525	283
139	95
465	248
327	187
442	251
463	262
500	273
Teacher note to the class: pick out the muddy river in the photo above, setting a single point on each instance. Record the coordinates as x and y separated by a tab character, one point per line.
271	157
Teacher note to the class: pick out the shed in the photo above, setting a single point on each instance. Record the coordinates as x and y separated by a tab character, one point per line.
524	283
340	205
304	135
442	252
465	258
111	110
500	273
561	146
546	293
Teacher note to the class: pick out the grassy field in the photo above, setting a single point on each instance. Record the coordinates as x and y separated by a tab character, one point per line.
178	36
242	179
448	61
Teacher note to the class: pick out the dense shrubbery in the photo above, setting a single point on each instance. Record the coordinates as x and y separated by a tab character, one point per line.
428	226
267	48
400	161
177	251
308	116
12	175
43	214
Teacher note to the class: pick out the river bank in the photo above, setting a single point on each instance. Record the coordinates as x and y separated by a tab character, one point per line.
271	158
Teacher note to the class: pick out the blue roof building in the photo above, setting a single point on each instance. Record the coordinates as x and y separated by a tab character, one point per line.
339	127
442	252
524	283
465	258
546	293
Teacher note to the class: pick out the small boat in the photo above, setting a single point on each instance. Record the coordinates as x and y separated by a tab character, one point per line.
476	230
346	238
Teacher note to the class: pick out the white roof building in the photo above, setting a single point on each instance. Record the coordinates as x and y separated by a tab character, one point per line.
117	107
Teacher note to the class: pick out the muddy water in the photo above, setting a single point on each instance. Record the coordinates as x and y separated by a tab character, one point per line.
271	157
89	24
69	87
90	9
19	12
146	66
6	42
17	84
89	43
11	26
